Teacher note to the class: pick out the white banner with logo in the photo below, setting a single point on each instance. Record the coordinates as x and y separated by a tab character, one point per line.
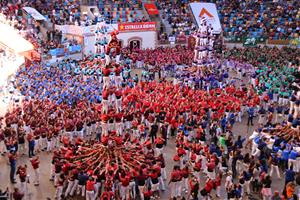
34	13
71	29
209	11
83	30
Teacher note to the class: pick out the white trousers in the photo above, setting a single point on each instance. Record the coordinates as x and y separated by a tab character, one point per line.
58	192
118	80
104	106
81	189
124	192
291	107
97	189
36	176
294	163
24	188
161	183
195	55
74	187
178	186
141	188
90	195
49	145
106	81
132	188
119	105
2	146
247	187
119	128
163	173
104	128
276	169
69	187
186	183
254	147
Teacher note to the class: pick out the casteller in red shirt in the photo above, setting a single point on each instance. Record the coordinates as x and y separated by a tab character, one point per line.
35	163
125	180
147	194
209	185
118	70
107	195
106	71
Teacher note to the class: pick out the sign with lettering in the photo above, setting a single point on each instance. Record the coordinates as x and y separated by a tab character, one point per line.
137	26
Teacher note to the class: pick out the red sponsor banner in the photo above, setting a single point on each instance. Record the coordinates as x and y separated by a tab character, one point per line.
278	42
137	26
151	8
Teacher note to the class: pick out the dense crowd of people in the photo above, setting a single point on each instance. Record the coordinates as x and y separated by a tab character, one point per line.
201	121
12	14
268	19
81	80
178	15
107	129
258	56
60	12
161	56
121	11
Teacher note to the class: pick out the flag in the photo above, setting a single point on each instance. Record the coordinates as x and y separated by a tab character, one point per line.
151	9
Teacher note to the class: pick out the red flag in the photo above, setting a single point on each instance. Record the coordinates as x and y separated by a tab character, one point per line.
151	9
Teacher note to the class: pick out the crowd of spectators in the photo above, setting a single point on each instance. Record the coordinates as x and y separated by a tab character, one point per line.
30	30
266	19
12	15
269	19
276	69
258	56
59	12
178	15
121	11
68	12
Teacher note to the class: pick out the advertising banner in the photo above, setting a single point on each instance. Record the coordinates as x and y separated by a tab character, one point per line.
137	26
34	13
64	51
70	29
250	42
151	8
295	42
209	12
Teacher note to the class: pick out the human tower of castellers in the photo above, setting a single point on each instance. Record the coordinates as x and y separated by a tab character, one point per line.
101	40
203	55
204	43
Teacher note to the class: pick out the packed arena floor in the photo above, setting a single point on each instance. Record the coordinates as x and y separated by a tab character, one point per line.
95	108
